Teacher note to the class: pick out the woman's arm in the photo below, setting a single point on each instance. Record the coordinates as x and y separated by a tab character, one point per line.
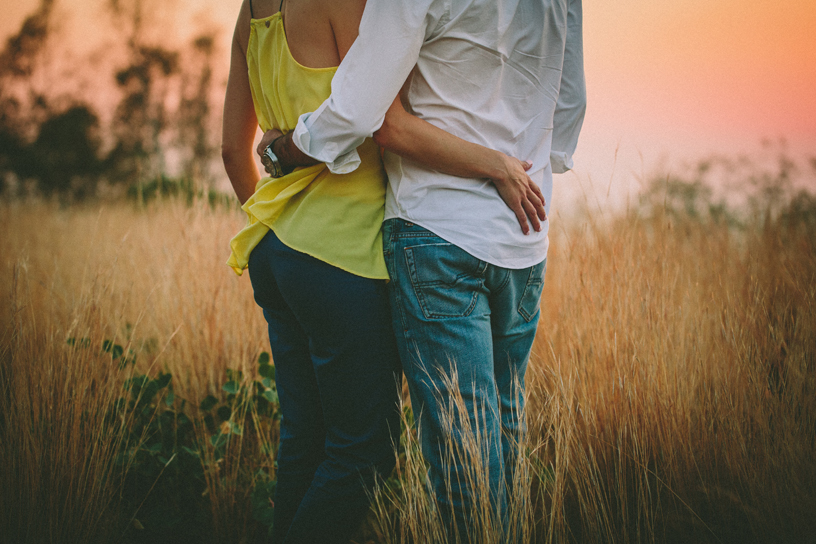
240	123
413	138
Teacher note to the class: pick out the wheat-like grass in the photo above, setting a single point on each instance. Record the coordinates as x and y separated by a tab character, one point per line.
670	393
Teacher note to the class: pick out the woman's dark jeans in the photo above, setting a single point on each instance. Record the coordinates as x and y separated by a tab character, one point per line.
338	374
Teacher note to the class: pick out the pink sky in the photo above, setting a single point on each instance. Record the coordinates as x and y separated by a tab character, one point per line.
741	69
672	80
678	80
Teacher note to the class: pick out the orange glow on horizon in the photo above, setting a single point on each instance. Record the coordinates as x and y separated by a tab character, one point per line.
748	68
660	75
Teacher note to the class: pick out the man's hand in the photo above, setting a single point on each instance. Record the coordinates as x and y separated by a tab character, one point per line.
520	194
289	156
268	137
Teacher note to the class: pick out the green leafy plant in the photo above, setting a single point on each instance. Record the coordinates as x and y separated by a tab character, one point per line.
170	446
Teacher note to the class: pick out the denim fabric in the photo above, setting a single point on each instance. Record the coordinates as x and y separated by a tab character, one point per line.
337	373
466	325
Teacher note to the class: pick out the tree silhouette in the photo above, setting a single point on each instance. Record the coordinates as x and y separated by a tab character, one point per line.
18	60
56	139
65	155
141	116
194	114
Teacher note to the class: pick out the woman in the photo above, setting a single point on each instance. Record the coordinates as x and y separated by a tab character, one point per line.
314	252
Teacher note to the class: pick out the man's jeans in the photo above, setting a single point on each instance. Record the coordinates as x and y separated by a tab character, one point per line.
337	373
465	326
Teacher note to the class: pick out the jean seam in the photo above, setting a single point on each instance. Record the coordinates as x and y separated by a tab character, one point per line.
426	234
504	283
391	265
401	312
531	282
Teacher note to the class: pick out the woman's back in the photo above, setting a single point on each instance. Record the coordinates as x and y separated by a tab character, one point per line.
282	87
306	39
335	218
319	32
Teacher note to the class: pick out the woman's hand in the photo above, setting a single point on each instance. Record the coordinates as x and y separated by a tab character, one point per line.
520	193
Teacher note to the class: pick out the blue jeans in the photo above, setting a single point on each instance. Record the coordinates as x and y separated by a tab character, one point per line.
337	373
463	326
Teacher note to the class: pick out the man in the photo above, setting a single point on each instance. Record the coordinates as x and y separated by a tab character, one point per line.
466	280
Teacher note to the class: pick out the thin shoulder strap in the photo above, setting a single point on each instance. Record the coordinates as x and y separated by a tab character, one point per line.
280	8
251	13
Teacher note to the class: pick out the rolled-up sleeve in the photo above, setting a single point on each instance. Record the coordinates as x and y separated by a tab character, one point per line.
569	112
366	82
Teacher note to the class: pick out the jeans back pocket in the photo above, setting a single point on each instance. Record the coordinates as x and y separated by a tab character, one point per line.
446	279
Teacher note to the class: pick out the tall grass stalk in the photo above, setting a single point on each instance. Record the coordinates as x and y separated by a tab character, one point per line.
57	432
670	396
671	392
407	510
152	280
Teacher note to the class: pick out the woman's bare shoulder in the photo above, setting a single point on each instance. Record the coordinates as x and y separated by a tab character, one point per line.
344	5
345	20
263	8
251	9
345	9
241	35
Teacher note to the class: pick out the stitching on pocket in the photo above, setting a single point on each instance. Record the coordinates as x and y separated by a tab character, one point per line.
429	292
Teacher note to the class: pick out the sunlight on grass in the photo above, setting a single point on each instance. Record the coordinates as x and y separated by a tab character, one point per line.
671	394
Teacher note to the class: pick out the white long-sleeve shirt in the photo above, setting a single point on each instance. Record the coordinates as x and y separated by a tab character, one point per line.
507	74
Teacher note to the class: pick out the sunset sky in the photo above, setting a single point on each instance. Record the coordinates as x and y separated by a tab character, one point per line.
667	81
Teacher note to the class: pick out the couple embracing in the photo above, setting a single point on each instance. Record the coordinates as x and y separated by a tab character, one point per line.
410	146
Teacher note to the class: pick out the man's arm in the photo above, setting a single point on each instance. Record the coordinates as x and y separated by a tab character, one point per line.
415	139
366	83
571	106
289	156
376	58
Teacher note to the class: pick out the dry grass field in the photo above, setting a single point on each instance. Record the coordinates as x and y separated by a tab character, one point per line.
671	390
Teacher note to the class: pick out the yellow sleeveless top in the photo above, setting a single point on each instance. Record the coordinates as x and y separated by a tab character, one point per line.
332	217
